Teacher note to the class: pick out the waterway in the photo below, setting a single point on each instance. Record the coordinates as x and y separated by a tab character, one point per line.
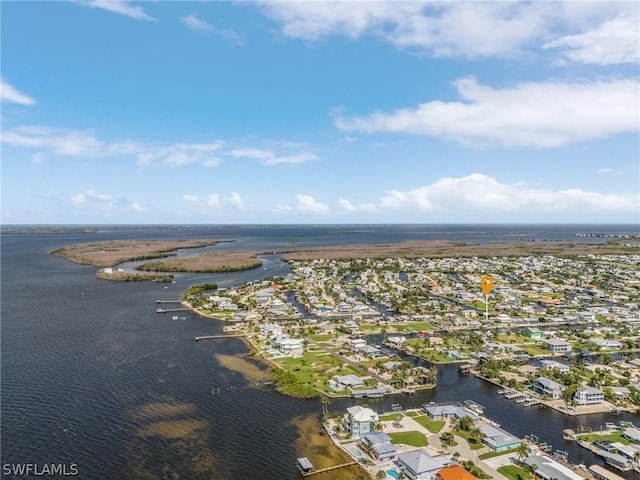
92	376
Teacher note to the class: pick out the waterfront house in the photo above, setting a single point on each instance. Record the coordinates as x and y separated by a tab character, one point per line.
588	396
292	347
359	421
547	468
343	382
419	465
556	345
632	434
545	386
379	444
498	439
454	472
441	412
555	365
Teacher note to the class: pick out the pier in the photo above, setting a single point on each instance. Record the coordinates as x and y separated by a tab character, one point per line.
214	337
328	469
168	301
165	310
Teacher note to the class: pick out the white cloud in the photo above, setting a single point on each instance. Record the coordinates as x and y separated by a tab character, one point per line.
77	143
194	23
269	157
308	204
105	204
443	29
8	93
612	42
481	194
215	203
201	26
545	114
471	28
349	207
118	6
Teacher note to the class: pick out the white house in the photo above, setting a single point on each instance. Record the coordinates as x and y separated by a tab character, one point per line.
556	345
545	386
360	420
419	465
588	396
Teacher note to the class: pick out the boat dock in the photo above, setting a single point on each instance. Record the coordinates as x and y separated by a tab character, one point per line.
168	301
519	397
165	310
214	337
328	469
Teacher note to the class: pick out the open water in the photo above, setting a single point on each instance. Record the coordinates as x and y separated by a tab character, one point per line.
92	376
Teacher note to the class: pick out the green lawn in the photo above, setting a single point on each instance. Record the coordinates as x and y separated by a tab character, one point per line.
413	414
612	437
391	417
513	472
534	350
415	439
434	426
493	453
472	445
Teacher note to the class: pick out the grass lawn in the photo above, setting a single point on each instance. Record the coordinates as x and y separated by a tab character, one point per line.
415	439
434	426
472	445
513	472
391	417
493	453
413	414
612	437
534	350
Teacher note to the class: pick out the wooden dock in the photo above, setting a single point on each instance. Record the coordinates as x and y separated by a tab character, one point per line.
335	467
165	310
168	301
214	337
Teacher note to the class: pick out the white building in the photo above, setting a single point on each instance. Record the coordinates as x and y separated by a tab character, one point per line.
588	396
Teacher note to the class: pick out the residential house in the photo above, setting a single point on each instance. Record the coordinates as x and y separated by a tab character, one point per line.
441	412
532	332
343	382
359	421
548	469
292	347
380	445
632	434
455	472
545	386
498	439
555	365
606	344
419	465
556	345
588	396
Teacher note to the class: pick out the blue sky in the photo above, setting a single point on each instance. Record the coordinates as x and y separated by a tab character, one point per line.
320	112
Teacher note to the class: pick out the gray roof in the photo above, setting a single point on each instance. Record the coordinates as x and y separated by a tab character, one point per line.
496	437
350	380
555	341
548	383
385	448
454	410
547	468
376	437
419	461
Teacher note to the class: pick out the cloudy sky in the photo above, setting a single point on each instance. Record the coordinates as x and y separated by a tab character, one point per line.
320	112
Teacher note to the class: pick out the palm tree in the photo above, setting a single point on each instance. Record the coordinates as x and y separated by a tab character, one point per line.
523	451
464	423
476	435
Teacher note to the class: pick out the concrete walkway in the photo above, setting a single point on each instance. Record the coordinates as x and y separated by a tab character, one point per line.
435	447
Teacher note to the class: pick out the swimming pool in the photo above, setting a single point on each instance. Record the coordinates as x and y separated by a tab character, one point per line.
392	473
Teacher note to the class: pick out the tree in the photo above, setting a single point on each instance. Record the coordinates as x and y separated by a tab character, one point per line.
522	451
476	435
381	475
464	423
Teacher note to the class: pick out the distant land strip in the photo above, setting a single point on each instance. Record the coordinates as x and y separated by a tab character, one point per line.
111	253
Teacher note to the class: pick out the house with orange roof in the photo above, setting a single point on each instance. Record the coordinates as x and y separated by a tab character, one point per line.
454	472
